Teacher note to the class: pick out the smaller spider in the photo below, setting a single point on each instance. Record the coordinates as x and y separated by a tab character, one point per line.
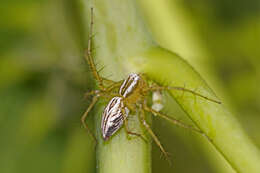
131	96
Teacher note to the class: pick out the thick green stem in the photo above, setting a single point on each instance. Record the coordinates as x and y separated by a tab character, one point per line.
119	33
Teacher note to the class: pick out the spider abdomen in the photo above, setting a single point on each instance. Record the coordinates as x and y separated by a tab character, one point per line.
113	117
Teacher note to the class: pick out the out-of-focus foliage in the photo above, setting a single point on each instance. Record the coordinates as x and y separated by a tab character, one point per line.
43	77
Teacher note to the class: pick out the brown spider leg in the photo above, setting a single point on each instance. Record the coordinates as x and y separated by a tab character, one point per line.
88	55
128	132
148	128
108	80
114	85
154	88
174	121
90	93
83	118
108	89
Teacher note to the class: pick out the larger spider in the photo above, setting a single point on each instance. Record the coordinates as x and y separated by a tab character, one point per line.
131	96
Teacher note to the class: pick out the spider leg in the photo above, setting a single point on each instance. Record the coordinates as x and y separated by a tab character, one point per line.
108	80
148	128
174	121
83	118
89	57
156	88
90	93
128	132
114	85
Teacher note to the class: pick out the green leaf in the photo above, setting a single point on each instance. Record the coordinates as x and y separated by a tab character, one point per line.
214	119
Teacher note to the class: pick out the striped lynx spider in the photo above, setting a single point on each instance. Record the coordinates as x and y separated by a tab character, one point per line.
132	96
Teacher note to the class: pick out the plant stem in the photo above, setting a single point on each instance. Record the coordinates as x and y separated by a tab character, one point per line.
119	33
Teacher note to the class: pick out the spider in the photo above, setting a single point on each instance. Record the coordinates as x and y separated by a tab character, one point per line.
131	96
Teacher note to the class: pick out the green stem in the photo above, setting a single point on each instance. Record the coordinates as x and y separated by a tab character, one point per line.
119	33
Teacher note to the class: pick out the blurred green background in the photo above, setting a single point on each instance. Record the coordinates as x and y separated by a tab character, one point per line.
43	77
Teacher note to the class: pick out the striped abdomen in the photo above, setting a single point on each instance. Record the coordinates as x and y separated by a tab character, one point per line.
113	117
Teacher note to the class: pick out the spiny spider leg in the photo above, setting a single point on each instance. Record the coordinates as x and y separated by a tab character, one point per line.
107	90
128	132
114	85
89	57
154	88
108	80
90	93
148	128
174	121
90	60
83	118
